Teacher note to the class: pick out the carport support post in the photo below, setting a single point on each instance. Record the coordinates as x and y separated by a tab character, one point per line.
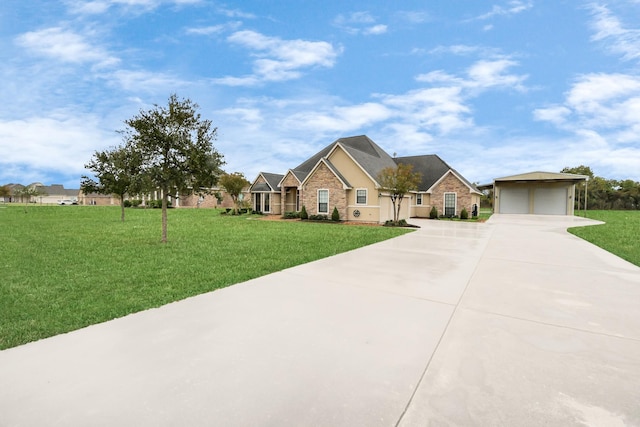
586	185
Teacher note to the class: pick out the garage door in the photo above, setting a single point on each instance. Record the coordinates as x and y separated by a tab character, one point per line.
514	201
550	201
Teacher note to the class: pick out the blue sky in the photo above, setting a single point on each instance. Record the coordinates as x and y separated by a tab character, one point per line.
493	87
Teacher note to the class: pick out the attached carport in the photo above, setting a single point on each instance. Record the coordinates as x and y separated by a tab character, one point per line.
539	193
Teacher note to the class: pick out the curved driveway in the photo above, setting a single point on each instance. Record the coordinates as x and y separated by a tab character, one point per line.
513	322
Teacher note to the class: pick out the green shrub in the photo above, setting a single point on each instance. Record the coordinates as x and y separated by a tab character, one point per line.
135	203
464	214
291	215
127	203
303	213
335	215
318	217
157	204
399	223
434	213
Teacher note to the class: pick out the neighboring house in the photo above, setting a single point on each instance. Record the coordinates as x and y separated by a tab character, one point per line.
210	200
343	175
540	193
48	194
97	199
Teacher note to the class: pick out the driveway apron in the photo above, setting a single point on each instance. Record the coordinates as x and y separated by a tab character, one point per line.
510	322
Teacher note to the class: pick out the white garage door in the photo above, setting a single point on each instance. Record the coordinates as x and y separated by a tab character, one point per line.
514	201
550	201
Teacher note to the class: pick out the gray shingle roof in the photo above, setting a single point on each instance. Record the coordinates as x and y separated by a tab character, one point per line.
273	179
367	153
432	169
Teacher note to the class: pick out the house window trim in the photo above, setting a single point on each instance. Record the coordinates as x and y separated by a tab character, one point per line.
444	202
318	201
366	197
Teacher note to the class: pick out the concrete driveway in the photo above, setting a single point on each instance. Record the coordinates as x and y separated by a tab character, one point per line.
513	322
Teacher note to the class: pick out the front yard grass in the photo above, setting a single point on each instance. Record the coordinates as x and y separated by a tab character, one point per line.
619	235
66	267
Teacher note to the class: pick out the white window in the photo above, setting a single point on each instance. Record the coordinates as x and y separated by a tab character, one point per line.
323	201
419	199
361	196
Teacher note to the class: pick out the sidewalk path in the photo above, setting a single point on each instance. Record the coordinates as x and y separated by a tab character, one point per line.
512	322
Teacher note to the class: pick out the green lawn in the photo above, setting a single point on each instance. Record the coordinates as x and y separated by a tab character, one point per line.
66	267
620	235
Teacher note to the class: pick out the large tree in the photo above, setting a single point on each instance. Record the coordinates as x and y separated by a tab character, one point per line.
398	181
5	191
233	184
176	149
116	171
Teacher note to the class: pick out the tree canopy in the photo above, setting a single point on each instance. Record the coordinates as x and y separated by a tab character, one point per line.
117	171
233	184
603	193
176	149
398	181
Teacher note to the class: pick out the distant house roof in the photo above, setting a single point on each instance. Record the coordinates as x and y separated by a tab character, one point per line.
432	168
271	184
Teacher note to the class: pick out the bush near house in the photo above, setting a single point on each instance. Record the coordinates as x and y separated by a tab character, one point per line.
335	215
434	213
464	214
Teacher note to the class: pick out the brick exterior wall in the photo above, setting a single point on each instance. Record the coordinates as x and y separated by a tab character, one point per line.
324	179
451	184
210	200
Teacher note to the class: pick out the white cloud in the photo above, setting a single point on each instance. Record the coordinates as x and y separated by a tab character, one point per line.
214	29
66	46
59	144
376	29
481	75
556	114
616	38
279	60
359	23
95	7
145	81
511	8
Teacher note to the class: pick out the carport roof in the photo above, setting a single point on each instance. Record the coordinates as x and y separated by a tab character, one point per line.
544	176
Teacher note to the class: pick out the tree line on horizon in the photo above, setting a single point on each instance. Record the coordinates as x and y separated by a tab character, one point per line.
605	194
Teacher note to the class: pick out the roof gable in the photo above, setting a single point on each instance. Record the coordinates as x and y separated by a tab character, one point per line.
332	168
271	184
366	153
433	170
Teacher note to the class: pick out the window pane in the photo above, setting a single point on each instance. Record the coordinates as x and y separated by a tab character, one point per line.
323	201
361	197
267	207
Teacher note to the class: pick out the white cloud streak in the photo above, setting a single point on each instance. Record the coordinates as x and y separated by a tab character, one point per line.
617	39
279	60
511	8
66	46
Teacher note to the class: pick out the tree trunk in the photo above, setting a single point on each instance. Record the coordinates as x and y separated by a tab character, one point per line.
165	193
122	208
399	204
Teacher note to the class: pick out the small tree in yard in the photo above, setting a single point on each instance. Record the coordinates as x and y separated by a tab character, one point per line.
398	181
233	184
5	191
335	215
26	193
117	171
176	149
